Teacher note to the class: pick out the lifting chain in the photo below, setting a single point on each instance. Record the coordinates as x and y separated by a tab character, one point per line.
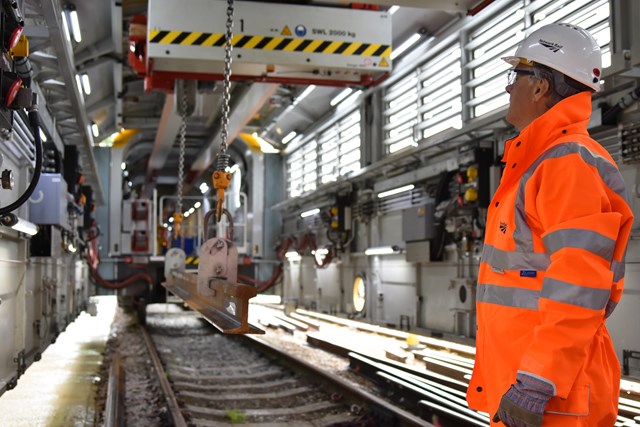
227	76
221	176
177	216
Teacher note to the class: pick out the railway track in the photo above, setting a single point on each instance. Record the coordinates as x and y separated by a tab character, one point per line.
210	379
438	387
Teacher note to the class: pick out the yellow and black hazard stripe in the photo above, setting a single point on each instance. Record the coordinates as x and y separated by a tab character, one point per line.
284	44
192	260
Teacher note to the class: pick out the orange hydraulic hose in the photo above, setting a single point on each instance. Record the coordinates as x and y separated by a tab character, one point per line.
277	272
120	285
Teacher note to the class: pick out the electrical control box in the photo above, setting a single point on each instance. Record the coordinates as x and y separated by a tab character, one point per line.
283	41
136	226
418	222
48	203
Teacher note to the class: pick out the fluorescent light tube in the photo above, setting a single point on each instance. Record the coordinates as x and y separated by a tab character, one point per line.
380	250
304	94
406	45
352	97
289	137
94	130
395	191
75	25
310	213
341	96
86	84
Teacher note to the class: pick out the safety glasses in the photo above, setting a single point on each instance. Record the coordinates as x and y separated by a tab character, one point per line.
512	74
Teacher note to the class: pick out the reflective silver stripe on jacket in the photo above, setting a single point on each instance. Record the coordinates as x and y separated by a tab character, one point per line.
618	270
570	293
507	260
556	290
507	296
588	240
607	171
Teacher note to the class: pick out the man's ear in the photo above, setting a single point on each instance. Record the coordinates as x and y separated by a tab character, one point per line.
542	88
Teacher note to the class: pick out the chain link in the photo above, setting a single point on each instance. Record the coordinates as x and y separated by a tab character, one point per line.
227	75
182	142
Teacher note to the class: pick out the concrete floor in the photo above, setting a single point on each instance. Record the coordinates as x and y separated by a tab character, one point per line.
60	389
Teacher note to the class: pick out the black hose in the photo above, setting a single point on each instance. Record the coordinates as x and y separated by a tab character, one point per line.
34	120
610	117
442	194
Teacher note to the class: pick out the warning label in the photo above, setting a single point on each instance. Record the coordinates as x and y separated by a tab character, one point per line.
330	32
285	31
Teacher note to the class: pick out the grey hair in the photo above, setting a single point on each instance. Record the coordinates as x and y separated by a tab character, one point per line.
561	85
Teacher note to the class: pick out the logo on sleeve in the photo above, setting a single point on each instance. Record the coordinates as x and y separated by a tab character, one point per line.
503	227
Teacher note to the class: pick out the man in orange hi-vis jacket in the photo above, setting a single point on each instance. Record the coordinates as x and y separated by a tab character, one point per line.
552	267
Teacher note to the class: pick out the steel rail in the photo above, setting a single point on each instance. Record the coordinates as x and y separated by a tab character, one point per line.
450	369
115	412
411	390
394	415
340	390
432	343
458	407
172	402
227	309
340	350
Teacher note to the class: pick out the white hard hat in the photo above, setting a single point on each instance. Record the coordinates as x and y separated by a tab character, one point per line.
566	48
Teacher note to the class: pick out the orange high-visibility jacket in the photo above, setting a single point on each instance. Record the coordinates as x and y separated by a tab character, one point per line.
556	236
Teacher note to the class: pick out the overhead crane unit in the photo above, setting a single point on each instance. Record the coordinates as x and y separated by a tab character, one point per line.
271	43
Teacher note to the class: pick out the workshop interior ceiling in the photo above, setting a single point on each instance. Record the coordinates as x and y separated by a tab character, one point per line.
118	98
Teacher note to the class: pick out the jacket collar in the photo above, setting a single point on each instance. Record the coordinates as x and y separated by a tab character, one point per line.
567	117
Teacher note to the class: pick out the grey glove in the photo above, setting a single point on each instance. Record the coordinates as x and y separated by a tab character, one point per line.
523	404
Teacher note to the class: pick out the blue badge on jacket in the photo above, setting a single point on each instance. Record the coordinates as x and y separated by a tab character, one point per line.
528	273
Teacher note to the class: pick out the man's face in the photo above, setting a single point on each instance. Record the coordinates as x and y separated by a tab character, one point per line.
521	88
